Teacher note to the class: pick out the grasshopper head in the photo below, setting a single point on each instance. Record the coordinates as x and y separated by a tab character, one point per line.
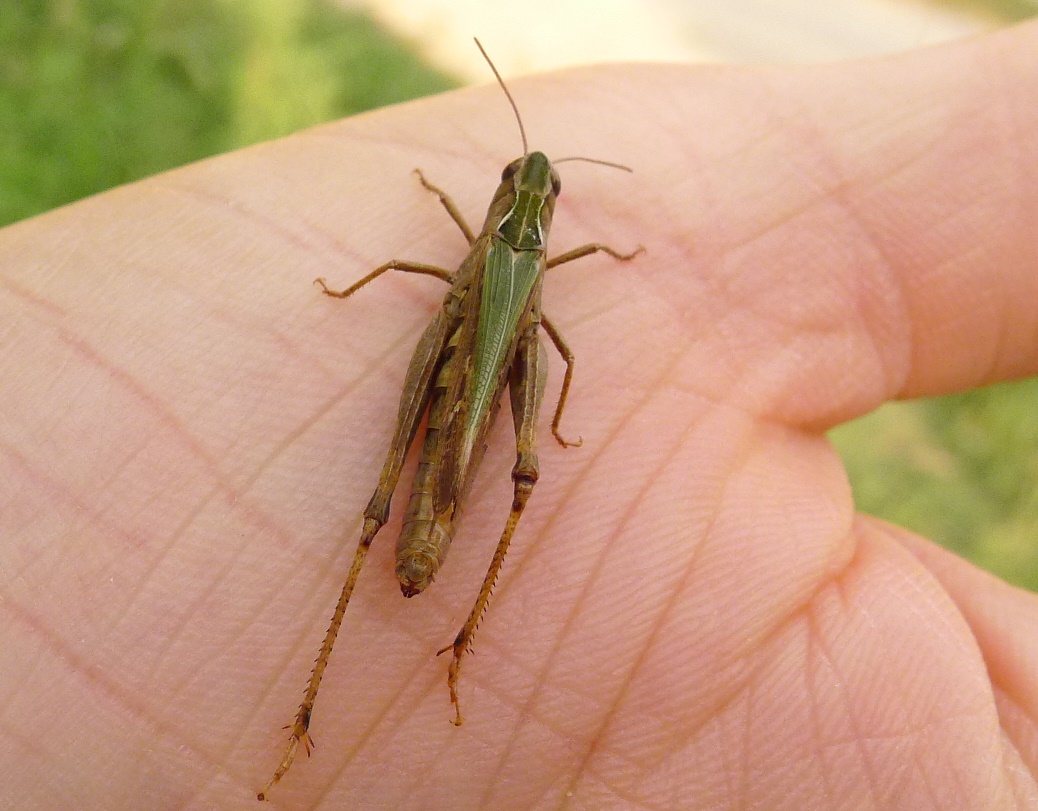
534	174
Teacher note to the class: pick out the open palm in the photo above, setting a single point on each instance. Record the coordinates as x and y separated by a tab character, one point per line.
692	615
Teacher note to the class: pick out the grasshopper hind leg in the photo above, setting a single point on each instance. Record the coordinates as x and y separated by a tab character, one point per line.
300	727
526	389
413	402
463	641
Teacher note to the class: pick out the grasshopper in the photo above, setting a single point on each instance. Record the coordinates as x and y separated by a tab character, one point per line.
484	337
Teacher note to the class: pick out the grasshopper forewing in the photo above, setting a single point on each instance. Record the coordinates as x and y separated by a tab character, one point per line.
484	337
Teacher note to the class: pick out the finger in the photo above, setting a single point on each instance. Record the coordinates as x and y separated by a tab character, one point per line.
844	235
1004	621
938	150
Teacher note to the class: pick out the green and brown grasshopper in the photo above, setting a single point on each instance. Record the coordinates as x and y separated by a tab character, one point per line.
484	337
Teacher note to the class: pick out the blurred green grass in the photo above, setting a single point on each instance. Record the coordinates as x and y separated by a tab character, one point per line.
962	470
95	93
1002	11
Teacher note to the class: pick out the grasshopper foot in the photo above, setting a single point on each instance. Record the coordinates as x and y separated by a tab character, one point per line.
299	733
459	648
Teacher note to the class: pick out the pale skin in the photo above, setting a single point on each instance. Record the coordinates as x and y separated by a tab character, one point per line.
691	616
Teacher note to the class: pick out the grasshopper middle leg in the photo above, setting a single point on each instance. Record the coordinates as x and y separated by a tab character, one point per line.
559	341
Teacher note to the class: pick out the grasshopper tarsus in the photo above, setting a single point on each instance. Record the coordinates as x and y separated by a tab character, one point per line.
459	647
349	291
452	209
565	442
286	760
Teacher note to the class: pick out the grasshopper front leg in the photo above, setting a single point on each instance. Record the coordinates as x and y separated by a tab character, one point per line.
526	389
451	206
408	266
394	264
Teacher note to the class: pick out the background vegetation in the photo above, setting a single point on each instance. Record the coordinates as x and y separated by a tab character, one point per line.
95	93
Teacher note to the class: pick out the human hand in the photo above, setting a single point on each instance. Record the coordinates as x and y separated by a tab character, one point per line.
691	616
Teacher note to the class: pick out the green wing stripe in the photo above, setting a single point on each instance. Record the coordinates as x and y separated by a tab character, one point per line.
507	283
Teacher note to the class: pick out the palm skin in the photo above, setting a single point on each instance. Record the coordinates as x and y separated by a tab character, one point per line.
692	614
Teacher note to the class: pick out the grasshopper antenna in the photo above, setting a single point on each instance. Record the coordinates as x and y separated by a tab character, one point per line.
597	161
500	81
522	129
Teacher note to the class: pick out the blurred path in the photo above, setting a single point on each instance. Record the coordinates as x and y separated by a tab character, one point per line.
548	34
